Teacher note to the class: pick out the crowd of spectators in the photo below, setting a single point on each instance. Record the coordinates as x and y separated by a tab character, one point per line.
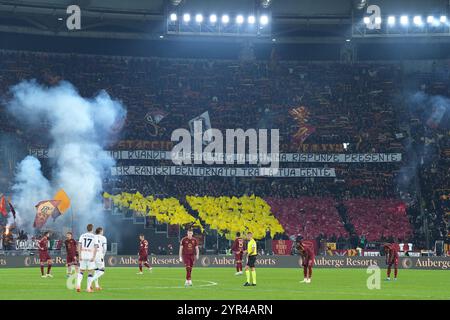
361	105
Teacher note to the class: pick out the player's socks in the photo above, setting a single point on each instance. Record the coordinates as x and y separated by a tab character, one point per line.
97	275
254	276
188	273
305	272
389	272
140	267
247	274
89	282
79	279
49	267
395	273
42	270
310	272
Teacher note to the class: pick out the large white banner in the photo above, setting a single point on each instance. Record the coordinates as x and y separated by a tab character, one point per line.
221	171
284	157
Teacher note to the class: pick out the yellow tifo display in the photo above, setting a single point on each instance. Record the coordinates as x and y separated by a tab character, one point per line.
167	210
231	215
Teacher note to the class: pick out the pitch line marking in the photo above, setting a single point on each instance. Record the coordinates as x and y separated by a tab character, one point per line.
208	284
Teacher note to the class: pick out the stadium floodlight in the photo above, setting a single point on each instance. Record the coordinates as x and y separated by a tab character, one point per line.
417	20
225	19
366	20
443	19
391	20
198	18
377	20
251	19
264	20
404	20
186	17
430	19
173	17
240	19
213	18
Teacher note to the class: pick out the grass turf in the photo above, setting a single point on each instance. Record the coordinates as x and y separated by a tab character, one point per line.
221	283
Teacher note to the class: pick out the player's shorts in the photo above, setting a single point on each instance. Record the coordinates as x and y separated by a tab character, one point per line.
251	260
143	258
188	260
100	263
87	265
308	261
72	261
393	262
238	256
44	256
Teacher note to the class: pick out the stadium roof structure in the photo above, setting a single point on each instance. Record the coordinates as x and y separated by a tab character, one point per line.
292	21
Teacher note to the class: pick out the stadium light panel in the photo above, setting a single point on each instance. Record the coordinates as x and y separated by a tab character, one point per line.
213	18
404	20
443	19
366	20
417	20
251	19
264	20
239	19
173	17
198	18
225	19
430	19
378	20
391	20
186	17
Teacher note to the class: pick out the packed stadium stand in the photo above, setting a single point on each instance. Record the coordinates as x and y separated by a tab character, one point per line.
352	108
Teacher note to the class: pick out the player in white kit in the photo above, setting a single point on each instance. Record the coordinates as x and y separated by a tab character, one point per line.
100	257
87	248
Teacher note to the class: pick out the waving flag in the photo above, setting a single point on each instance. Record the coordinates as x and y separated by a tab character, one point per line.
3	210
11	208
301	115
64	203
44	210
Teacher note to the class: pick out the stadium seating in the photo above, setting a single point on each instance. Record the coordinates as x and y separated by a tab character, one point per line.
308	216
379	218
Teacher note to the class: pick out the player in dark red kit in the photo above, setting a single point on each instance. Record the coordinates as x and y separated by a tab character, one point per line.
143	254
238	250
72	254
44	257
189	252
391	250
306	249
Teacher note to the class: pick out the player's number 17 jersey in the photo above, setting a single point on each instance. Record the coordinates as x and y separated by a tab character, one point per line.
88	242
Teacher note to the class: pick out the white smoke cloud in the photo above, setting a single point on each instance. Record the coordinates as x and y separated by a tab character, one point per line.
79	130
29	188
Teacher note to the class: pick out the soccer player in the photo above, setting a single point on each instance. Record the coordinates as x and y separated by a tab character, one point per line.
238	249
44	257
306	249
100	257
189	252
251	260
87	248
72	254
143	254
392	250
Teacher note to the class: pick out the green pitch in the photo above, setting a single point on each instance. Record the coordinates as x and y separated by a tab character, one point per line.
221	283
